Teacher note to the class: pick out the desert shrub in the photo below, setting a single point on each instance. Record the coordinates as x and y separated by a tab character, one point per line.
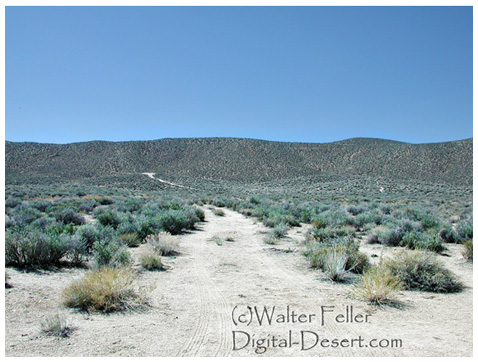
87	206
105	290
130	205
392	237
77	249
327	233
292	220
419	270
386	209
175	221
7	281
373	238
59	228
361	220
105	201
151	260
110	252
354	210
280	230
89	234
414	240
12	202
130	239
129	224
200	214
355	261
40	205
448	235
146	226
163	243
69	216
218	203
468	252
254	200
319	223
273	220
108	218
218	212
32	248
9	222
23	215
429	221
45	223
465	230
377	285
57	325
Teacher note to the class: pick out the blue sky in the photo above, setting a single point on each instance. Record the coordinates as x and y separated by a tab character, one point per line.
304	74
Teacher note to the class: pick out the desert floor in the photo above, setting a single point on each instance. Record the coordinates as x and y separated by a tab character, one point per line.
201	301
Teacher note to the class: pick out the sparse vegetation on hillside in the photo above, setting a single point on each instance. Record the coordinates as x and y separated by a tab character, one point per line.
243	160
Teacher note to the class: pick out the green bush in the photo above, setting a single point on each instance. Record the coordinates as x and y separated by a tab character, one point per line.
199	214
69	216
110	252
448	235
280	230
175	221
465	230
319	255
32	248
419	270
414	240
108	218
90	234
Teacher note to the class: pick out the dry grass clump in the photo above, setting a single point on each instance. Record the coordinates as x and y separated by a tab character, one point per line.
270	239
163	243
57	325
337	257
468	252
377	285
218	212
335	263
151	260
106	290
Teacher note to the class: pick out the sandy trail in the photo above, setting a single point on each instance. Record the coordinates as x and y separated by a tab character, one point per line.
195	299
151	175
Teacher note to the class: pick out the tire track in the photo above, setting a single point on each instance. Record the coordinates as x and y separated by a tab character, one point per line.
210	334
296	279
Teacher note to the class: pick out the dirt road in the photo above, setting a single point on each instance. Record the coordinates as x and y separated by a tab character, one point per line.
211	299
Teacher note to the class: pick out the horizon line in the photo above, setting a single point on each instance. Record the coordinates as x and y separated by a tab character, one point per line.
239	138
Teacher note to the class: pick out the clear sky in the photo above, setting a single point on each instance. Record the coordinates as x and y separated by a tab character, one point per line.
305	74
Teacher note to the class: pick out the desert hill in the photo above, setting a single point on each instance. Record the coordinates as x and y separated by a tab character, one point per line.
241	160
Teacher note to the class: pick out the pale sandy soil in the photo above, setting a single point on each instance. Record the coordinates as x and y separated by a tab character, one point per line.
195	299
